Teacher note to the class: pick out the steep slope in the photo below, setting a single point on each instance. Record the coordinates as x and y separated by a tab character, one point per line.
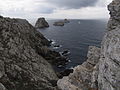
21	65
109	65
105	73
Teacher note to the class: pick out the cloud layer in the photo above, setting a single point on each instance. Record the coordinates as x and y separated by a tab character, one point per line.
54	8
72	4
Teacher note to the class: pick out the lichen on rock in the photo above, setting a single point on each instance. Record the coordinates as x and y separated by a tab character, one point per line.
101	71
21	66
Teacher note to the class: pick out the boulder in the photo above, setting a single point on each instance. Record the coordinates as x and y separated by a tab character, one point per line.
41	23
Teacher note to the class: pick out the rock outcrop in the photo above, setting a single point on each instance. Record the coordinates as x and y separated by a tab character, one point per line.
109	65
102	69
41	23
83	74
22	67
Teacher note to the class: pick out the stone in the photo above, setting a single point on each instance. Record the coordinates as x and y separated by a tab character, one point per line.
82	75
59	23
2	87
41	23
22	66
101	71
66	21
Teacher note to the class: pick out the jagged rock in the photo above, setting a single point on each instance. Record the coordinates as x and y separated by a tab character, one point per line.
41	23
99	72
109	65
21	65
82	75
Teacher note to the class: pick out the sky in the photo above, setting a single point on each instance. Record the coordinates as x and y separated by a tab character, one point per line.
55	9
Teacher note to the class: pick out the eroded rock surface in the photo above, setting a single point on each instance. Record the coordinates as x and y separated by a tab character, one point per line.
22	67
83	74
101	71
109	65
41	23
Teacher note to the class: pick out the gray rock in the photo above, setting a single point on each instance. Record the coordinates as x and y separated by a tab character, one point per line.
22	67
82	76
2	87
66	21
41	23
109	65
59	23
101	71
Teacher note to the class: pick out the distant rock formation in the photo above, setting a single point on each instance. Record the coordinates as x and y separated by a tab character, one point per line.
66	21
23	57
101	71
41	23
61	23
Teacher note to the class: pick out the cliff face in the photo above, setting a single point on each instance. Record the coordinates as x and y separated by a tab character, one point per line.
21	65
104	74
109	65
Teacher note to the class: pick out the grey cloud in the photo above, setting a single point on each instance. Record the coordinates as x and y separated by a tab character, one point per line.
44	10
75	4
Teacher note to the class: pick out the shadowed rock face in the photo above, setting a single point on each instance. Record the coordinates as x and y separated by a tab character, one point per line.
41	23
101	71
21	66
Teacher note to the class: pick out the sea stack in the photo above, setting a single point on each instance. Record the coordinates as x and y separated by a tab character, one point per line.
101	71
66	21
41	23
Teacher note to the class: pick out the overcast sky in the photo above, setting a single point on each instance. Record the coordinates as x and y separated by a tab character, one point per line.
73	9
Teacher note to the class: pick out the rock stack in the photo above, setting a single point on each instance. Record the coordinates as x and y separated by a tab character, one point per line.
41	23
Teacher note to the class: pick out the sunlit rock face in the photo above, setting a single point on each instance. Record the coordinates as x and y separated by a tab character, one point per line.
109	65
84	76
21	65
101	71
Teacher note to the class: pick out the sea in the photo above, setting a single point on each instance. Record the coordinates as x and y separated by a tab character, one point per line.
75	37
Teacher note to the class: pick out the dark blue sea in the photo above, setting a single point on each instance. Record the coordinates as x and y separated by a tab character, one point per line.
76	37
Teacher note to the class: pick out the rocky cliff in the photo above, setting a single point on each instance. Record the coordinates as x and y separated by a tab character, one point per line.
22	65
41	23
101	71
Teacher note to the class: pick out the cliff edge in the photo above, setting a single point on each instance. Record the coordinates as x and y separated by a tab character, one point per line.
22	67
101	71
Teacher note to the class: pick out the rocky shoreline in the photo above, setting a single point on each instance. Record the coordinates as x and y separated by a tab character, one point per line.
26	62
101	71
25	57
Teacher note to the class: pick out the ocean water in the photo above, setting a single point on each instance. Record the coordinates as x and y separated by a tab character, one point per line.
76	37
